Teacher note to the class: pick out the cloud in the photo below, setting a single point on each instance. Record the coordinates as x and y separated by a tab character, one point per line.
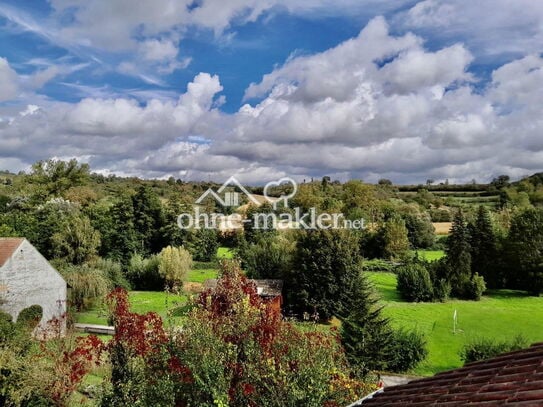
491	27
377	105
8	81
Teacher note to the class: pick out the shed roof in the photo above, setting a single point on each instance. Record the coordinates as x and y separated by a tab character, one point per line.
8	245
265	288
513	378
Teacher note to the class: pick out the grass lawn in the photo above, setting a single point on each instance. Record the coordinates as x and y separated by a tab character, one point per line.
430	255
501	314
201	275
141	302
225	253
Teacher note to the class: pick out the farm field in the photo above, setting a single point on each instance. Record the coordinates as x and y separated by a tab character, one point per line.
501	314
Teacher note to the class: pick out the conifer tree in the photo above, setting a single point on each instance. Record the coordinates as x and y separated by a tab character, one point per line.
458	262
484	256
365	334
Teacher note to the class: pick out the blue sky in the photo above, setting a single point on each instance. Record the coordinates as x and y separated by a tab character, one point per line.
261	89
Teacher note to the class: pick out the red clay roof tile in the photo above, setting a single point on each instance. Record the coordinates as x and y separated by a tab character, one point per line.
514	378
7	246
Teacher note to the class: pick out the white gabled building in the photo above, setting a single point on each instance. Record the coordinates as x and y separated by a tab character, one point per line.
27	278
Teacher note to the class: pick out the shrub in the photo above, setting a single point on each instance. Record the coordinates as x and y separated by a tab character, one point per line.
7	328
442	290
486	348
234	350
30	317
408	350
174	263
87	285
113	271
414	283
474	288
143	273
379	265
269	257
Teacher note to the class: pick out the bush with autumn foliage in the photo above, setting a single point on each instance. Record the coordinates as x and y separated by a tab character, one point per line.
233	350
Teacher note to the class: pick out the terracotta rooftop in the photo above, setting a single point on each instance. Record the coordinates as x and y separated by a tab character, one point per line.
7	246
514	378
265	288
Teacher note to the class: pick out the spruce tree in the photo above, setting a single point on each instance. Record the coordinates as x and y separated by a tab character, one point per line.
365	334
458	262
484	254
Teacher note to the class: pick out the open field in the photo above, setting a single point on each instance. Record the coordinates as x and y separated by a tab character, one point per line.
430	255
501	314
442	228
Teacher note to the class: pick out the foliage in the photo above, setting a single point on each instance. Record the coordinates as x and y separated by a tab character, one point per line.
53	177
524	248
233	350
326	264
365	334
420	230
378	265
456	269
174	263
113	271
408	350
484	249
395	238
474	287
77	242
45	373
202	244
414	282
269	257
143	273
30	317
87	284
148	221
486	348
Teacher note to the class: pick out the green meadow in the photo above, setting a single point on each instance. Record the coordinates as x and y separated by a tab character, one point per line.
501	314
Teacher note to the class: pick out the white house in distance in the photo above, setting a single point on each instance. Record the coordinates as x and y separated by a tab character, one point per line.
27	278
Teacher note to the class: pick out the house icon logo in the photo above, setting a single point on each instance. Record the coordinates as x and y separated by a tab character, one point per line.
231	198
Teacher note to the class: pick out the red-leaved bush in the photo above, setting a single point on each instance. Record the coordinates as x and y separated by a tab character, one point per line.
232	350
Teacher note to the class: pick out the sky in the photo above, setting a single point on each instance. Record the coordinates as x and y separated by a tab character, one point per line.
407	90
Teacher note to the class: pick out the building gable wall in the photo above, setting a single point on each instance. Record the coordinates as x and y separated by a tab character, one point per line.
28	279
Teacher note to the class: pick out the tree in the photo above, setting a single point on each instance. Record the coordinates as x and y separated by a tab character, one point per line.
77	242
420	231
326	263
148	220
385	182
484	253
457	268
395	238
174	263
501	181
365	334
54	177
524	248
202	244
270	257
122	239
